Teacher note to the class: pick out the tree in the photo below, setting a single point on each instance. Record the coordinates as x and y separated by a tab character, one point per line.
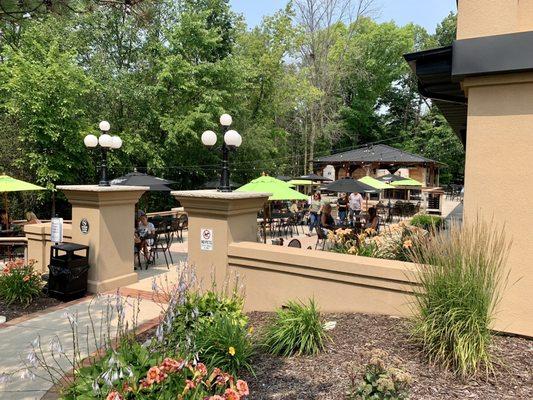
446	31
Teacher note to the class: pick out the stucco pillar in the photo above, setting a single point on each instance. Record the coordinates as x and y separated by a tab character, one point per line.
499	150
216	220
103	218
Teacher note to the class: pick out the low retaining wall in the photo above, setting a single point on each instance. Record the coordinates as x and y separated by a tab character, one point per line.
39	244
338	282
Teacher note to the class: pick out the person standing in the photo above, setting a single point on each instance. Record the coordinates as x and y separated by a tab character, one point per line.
342	207
314	209
355	203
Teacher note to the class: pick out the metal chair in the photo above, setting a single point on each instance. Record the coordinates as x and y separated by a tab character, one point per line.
162	242
295	243
321	237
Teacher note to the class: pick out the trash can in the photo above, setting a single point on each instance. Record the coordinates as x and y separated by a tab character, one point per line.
68	271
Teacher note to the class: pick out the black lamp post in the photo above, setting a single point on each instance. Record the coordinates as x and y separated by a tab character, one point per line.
232	140
106	142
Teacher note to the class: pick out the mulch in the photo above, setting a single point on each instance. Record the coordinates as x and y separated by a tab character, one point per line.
14	311
327	376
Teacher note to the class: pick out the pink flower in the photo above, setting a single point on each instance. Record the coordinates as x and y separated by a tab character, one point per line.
26	278
114	395
242	388
170	365
216	397
190	384
231	394
154	374
202	369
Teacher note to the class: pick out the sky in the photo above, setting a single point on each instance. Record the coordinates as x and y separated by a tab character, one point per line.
427	13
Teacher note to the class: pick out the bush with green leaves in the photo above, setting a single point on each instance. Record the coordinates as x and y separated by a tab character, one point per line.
428	222
379	382
225	343
19	282
461	275
296	329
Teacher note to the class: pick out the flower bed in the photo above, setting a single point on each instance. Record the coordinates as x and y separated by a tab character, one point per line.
393	242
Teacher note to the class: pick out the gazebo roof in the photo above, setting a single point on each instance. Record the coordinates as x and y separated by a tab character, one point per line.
380	153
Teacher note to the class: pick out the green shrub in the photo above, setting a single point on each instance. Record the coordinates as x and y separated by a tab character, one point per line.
296	329
136	372
19	283
428	222
461	276
225	343
379	382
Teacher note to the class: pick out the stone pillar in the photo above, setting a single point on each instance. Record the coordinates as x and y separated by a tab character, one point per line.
498	154
104	219
217	219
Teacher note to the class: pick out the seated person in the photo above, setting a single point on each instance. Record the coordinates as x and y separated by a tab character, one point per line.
144	230
31	218
326	220
294	207
373	219
4	220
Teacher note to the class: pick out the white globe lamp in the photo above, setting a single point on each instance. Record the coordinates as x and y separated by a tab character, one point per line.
90	141
116	142
104	126
209	138
233	138
105	140
226	120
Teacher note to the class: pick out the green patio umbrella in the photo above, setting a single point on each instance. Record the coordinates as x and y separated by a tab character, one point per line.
302	182
406	182
266	184
280	191
376	184
10	184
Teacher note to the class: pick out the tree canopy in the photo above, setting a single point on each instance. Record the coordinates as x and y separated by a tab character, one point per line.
163	71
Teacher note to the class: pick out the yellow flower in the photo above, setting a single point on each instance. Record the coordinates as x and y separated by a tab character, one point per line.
231	350
407	244
251	330
352	250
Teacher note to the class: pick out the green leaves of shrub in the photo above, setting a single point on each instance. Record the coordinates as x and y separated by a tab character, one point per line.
461	277
225	343
428	222
19	284
297	329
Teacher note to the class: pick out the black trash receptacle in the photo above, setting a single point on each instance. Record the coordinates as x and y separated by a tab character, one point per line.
68	271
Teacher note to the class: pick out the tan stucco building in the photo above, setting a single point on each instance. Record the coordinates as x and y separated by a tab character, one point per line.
483	85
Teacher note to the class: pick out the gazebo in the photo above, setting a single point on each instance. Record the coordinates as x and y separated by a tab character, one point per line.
366	161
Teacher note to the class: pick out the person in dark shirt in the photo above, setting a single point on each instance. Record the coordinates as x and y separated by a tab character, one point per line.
342	204
326	220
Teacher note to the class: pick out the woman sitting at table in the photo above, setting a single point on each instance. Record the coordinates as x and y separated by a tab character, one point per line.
373	220
31	218
144	230
4	220
326	220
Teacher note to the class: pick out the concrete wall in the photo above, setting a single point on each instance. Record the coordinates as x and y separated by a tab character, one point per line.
338	282
500	134
39	244
493	17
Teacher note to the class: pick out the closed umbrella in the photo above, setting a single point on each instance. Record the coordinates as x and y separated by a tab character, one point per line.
139	179
10	184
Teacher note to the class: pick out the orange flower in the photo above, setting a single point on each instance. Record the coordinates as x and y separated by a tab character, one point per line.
114	395
242	388
6	270
154	374
407	244
26	278
170	365
201	369
190	384
19	262
231	394
216	397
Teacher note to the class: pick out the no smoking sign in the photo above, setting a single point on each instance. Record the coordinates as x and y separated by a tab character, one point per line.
206	239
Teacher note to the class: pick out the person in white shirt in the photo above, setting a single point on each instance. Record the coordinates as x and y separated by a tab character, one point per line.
355	203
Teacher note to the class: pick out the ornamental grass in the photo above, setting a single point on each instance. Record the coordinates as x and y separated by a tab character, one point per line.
461	272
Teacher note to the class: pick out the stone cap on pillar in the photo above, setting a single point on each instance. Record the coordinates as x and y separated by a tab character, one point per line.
100	195
215	202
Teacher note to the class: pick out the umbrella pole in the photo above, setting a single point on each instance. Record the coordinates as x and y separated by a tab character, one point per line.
264	223
6	205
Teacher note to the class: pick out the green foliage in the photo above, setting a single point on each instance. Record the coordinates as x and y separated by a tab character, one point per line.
461	278
19	283
225	343
296	329
446	31
428	222
379	382
133	371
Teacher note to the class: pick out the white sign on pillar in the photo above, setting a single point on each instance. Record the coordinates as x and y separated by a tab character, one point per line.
56	230
206	239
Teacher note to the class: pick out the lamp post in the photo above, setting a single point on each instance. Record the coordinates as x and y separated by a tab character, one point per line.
106	142
232	140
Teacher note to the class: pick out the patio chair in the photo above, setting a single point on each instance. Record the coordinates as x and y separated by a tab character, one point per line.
295	243
183	224
162	242
321	237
